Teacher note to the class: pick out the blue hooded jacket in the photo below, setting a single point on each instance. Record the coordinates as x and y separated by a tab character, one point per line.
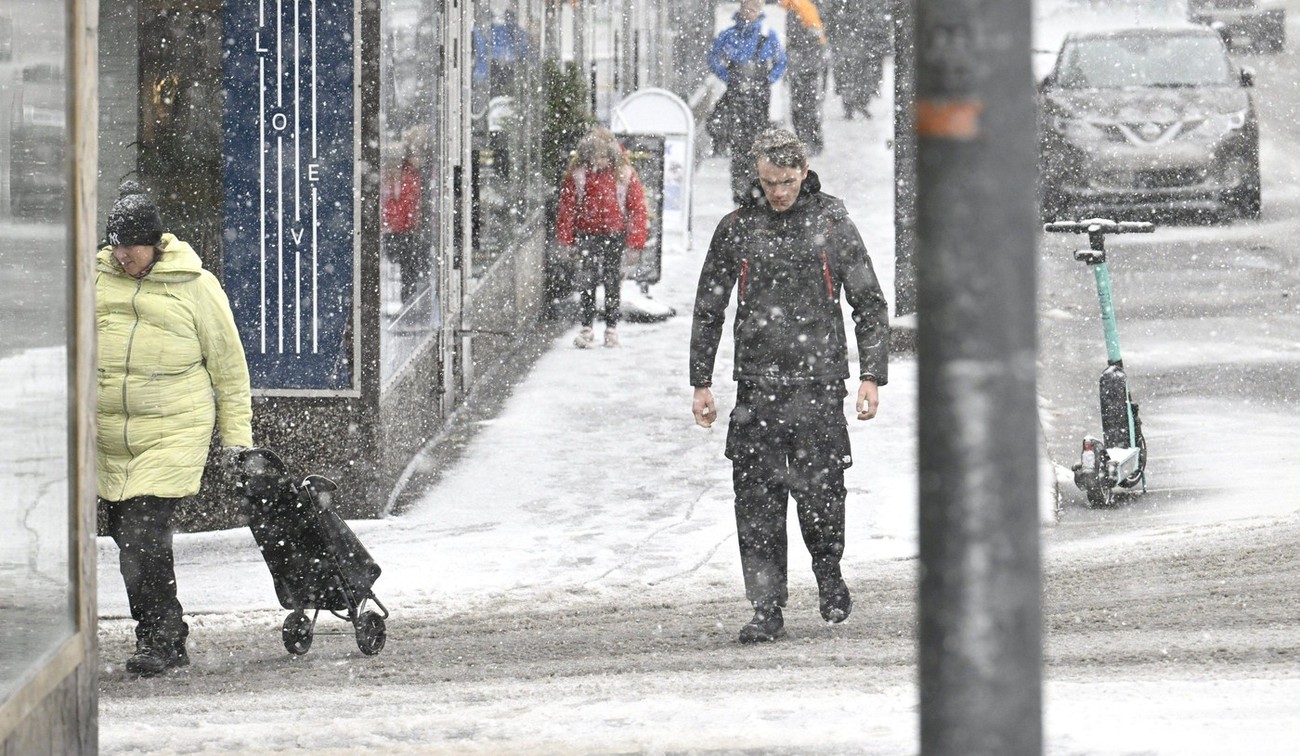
739	43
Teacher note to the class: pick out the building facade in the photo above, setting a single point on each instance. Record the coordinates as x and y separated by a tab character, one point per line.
372	180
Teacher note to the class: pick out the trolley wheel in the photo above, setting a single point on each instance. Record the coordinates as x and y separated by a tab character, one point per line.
371	634
297	633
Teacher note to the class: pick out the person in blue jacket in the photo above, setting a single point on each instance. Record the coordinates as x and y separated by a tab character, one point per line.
499	46
748	57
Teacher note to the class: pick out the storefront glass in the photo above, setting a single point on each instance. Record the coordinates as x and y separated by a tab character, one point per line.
505	63
410	178
36	590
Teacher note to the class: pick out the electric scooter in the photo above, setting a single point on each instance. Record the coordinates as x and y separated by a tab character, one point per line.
1119	458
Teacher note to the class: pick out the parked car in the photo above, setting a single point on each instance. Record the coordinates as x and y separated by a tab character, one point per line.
38	180
1148	122
1245	24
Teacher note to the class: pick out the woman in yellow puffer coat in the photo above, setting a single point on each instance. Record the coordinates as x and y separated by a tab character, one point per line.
171	366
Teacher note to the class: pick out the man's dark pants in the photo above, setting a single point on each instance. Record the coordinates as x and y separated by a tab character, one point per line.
142	529
783	441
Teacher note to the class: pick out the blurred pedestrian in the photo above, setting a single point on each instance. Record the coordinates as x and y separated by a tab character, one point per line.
807	51
788	253
860	33
402	211
749	58
601	215
506	46
171	367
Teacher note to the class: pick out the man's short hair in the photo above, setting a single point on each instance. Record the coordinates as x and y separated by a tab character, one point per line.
781	148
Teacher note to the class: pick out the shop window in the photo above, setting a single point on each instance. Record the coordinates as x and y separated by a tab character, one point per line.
504	62
410	178
36	587
179	140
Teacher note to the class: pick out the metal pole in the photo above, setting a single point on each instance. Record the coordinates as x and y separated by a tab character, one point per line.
980	612
904	157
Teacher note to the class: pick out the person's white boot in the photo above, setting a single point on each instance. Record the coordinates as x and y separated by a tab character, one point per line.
585	338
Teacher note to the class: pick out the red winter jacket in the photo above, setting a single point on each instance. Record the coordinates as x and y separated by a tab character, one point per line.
401	197
597	211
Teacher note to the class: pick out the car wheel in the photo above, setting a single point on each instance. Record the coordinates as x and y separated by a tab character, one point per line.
1275	36
1052	205
1245	200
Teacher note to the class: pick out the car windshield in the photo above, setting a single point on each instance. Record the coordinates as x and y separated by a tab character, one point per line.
1143	61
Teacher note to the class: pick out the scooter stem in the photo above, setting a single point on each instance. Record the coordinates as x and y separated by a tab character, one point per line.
1101	272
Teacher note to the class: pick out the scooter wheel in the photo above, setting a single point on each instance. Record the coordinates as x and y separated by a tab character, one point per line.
1133	479
1100	497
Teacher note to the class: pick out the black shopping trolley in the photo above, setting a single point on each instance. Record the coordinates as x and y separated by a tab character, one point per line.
315	559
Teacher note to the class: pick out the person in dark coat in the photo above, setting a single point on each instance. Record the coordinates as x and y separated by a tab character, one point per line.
749	58
806	48
789	254
860	33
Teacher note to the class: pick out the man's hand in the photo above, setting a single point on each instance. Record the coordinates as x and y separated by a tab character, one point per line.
868	399
703	407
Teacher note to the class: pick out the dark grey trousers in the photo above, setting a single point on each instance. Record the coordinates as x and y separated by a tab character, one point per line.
788	441
142	529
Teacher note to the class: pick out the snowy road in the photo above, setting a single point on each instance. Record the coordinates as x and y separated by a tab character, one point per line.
571	584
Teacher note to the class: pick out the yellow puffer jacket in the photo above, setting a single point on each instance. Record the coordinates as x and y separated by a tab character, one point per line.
170	364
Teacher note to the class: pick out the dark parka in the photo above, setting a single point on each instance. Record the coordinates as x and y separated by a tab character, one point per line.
788	270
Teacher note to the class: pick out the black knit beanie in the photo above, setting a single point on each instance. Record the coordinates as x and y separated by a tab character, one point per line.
134	219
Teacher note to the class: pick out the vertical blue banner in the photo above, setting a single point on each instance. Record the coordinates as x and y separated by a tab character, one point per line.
288	159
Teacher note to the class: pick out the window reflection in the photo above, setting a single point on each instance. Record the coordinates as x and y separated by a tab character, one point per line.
504	60
409	179
36	591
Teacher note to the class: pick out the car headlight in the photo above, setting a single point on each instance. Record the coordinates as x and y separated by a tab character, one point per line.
1074	128
1222	123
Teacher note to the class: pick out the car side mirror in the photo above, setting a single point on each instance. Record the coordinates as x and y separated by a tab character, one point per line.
1224	33
1247	77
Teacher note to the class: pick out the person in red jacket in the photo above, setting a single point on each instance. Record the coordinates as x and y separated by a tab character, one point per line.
402	207
602	213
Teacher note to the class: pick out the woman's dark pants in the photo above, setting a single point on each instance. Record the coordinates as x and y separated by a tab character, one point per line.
142	529
600	262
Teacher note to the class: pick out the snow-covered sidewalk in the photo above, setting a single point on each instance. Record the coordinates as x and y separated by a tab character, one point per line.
593	476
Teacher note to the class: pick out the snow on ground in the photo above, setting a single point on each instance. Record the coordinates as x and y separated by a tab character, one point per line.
593	485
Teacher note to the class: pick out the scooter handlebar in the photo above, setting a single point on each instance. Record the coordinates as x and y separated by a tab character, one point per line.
1099	226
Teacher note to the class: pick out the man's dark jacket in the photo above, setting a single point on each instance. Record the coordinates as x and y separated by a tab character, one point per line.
788	270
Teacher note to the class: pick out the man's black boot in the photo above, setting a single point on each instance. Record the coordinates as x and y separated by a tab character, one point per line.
767	625
834	600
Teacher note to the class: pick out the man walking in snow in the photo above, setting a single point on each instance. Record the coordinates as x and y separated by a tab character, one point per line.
788	253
